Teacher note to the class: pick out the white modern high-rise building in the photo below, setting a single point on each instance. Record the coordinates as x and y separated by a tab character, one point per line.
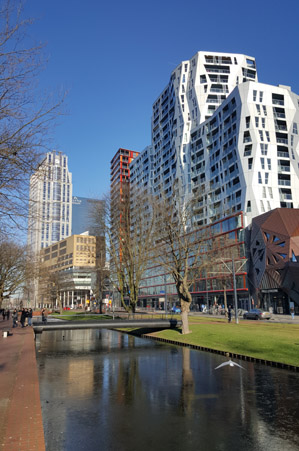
50	206
246	156
220	134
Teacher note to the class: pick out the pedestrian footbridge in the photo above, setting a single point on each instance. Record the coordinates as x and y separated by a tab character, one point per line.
107	324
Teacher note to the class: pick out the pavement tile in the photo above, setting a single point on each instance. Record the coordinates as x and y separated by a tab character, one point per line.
21	426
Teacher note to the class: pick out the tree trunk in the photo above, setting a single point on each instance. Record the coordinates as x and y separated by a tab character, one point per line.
59	303
185	301
225	300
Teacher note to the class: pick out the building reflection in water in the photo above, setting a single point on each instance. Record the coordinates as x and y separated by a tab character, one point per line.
108	388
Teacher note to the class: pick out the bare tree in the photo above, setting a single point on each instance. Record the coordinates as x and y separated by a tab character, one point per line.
228	260
129	227
101	270
180	248
13	269
25	115
50	287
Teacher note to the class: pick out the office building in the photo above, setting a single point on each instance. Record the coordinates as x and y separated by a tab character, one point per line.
74	260
86	216
50	205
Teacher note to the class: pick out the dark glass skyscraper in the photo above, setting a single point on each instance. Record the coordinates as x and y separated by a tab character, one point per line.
84	215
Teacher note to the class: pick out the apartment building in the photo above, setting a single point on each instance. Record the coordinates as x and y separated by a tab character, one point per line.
223	138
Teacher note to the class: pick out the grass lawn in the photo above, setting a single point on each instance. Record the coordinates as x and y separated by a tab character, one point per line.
70	315
268	341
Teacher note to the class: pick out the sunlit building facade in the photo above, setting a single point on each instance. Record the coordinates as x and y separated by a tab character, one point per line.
50	205
224	139
74	260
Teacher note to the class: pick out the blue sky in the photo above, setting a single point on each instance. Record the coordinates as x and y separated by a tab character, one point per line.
114	58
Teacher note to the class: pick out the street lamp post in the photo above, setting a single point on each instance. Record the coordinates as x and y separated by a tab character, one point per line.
235	291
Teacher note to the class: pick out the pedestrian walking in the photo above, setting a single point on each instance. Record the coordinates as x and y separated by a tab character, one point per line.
23	317
26	316
3	314
292	310
30	317
44	316
229	313
7	314
15	318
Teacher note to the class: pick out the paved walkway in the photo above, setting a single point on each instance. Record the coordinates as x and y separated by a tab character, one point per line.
21	425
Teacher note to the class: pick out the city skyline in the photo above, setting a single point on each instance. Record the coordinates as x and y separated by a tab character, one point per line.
116	59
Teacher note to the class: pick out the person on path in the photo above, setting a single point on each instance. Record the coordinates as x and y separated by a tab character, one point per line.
7	314
23	317
3	314
292	310
30	317
26	316
15	318
229	313
44	316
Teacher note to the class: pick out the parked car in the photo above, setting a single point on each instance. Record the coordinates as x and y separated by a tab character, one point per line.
257	313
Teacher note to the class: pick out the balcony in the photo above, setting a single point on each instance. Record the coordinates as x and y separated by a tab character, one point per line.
285	197
282	140
223	90
279	115
283	154
216	70
284	182
282	168
281	127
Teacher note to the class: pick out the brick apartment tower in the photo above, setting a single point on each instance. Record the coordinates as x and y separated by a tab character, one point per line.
119	184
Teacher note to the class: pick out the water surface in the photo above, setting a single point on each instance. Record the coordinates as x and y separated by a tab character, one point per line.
104	390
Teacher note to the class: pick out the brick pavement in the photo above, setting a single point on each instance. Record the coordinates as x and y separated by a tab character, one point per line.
21	425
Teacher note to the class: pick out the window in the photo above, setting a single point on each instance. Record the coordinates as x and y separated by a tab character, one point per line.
260	178
247	121
295	129
250	160
247	150
269	163
257	122
254	95
265	110
267	136
248	209
294	258
258	109
270	192
266	177
263	163
261	135
263	122
269	206
261	96
262	206
264	192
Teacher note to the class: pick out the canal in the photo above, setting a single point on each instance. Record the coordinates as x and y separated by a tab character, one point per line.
104	390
